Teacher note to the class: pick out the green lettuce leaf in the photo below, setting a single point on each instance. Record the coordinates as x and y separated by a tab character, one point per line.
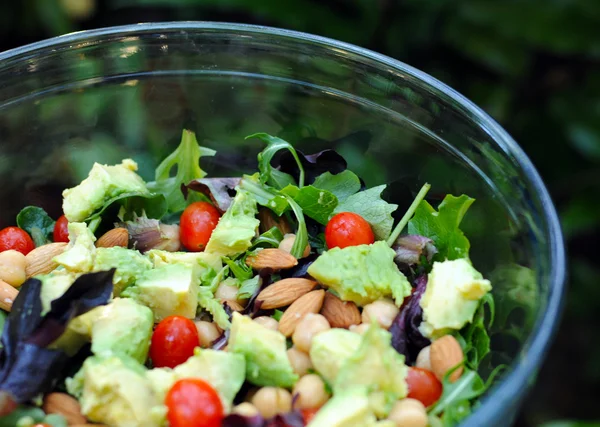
376	211
315	202
249	287
342	185
442	226
129	206
37	223
207	301
238	267
186	158
271	176
269	239
474	337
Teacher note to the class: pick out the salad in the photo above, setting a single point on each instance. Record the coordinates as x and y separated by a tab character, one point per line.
289	297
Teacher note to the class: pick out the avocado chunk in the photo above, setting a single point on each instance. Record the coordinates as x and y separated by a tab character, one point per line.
114	390
236	228
200	261
54	285
129	264
362	274
80	252
330	349
347	409
452	296
377	368
171	289
265	352
224	371
102	184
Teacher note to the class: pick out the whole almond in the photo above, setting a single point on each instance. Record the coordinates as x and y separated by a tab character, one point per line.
7	295
115	237
234	305
285	292
445	353
65	405
340	314
269	220
41	259
308	303
271	258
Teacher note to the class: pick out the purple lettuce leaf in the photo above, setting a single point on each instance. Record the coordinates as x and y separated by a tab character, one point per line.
219	190
409	249
289	419
253	307
313	164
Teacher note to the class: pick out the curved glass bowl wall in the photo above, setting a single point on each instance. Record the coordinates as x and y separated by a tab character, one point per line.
127	92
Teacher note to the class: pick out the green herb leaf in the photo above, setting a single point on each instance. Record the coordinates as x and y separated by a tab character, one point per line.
274	145
239	268
342	185
475	338
248	288
265	195
277	315
316	203
37	223
301	239
376	211
269	239
442	226
187	159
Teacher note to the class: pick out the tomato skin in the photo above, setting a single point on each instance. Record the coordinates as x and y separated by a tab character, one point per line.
16	238
173	341
61	230
197	224
308	414
423	385
192	402
348	229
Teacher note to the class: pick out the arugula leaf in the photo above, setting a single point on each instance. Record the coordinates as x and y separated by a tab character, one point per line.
301	239
270	238
239	268
187	159
274	145
316	203
131	205
442	226
37	223
265	195
474	336
248	288
376	211
342	185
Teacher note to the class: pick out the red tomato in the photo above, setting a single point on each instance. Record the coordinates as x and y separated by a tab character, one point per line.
308	414
17	239
173	341
348	229
197	224
61	231
192	402
423	385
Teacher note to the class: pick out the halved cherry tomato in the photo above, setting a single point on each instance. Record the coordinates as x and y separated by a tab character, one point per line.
348	229
308	414
197	224
423	385
173	341
192	402
61	231
16	238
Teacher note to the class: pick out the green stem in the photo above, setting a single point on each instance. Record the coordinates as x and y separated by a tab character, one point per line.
408	215
302	234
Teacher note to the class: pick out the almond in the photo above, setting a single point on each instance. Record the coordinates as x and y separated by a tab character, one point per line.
114	237
340	314
7	295
271	258
65	405
308	303
269	220
234	305
445	353
41	259
284	292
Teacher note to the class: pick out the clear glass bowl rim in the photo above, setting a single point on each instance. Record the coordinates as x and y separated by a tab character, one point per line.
525	369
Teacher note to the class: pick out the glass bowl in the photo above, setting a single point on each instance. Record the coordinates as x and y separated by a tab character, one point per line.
119	92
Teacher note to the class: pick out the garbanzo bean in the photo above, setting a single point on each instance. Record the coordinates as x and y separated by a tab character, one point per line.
207	332
271	401
383	311
299	360
311	392
309	326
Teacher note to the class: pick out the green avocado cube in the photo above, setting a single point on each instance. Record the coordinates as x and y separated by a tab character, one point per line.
129	264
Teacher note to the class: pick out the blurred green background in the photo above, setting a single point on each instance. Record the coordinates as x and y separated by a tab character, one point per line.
534	65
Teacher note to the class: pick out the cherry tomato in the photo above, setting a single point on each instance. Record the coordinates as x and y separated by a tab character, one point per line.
192	402
173	341
308	414
348	229
423	385
197	224
61	231
17	239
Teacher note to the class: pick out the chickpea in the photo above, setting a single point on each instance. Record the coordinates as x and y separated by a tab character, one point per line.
359	329
311	392
383	311
299	360
207	332
226	292
12	267
245	409
267	322
287	243
309	326
423	359
409	413
271	401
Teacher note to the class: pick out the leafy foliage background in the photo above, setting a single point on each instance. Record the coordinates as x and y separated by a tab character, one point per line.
534	65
